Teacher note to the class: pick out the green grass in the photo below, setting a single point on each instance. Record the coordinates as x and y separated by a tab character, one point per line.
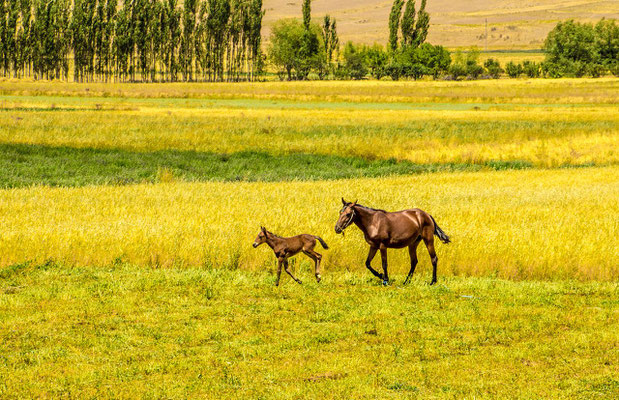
27	165
122	331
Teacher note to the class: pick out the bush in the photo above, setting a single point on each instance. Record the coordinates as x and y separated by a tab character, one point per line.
513	70
394	70
355	61
457	70
531	69
377	59
493	67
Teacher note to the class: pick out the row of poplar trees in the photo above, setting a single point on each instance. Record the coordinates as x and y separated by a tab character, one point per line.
131	40
413	30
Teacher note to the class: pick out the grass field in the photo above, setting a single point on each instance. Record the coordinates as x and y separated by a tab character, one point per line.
135	332
541	123
127	214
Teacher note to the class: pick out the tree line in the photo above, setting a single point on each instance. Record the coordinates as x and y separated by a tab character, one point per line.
220	40
131	40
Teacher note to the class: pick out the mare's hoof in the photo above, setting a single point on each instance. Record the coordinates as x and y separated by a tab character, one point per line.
385	282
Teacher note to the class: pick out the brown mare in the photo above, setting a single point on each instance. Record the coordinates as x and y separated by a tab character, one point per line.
383	230
285	248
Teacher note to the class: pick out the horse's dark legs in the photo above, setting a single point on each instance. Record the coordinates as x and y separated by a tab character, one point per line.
317	257
430	245
368	262
280	262
383	257
290	273
412	252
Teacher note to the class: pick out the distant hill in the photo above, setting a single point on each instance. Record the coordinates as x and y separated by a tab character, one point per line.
521	24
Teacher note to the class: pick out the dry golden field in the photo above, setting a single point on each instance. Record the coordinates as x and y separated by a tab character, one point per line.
511	25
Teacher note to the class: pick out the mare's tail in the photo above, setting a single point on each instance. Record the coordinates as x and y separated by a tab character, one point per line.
439	232
322	242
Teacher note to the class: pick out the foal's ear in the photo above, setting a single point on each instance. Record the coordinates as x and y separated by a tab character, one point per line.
344	201
263	229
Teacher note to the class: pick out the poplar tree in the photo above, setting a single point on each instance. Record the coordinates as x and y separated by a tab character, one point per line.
187	40
421	28
394	23
408	23
330	38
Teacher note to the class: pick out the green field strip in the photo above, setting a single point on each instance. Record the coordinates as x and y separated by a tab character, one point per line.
27	165
62	103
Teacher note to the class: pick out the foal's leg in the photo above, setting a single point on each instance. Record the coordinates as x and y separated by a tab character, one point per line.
368	262
429	241
383	257
316	257
280	262
290	273
412	252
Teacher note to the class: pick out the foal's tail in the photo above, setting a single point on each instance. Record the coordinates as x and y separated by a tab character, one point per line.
322	242
439	232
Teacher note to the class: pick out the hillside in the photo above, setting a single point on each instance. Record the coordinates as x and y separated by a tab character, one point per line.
511	24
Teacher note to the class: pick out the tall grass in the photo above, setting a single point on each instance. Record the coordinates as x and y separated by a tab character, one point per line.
536	91
534	224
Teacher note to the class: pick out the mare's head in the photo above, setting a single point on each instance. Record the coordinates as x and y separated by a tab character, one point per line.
347	215
261	238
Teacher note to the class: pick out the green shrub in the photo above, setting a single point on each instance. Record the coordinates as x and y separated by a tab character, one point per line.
513	70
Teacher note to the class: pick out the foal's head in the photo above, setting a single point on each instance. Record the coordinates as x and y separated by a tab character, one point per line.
261	238
347	215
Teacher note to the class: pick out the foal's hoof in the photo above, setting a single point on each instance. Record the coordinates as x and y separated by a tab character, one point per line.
432	283
299	282
385	282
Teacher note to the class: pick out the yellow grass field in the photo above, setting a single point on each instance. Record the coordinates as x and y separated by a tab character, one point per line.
513	224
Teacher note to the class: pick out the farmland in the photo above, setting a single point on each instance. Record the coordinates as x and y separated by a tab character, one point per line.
127	213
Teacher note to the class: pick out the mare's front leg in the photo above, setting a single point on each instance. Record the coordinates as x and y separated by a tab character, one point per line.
383	257
368	262
290	273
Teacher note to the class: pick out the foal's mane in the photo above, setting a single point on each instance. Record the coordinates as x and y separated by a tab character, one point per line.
273	234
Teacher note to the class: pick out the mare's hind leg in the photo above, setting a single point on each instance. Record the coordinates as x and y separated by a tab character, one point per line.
368	262
383	257
412	252
290	273
317	257
428	239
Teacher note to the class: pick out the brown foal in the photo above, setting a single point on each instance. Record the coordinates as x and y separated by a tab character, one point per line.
285	248
383	230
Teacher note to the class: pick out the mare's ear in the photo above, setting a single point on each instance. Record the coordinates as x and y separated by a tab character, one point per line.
344	201
354	203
